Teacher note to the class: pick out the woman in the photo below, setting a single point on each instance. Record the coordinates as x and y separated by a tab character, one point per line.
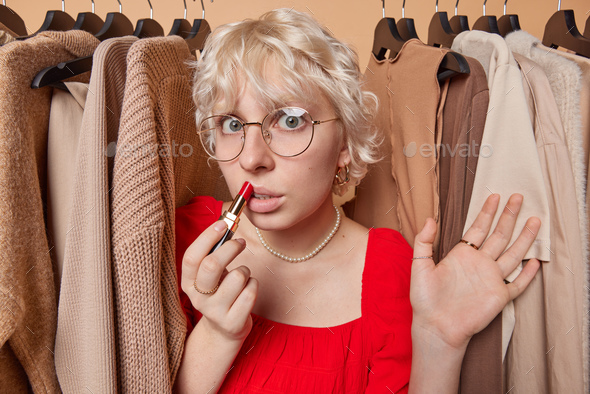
304	299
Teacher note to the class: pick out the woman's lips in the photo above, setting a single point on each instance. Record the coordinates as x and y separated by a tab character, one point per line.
264	203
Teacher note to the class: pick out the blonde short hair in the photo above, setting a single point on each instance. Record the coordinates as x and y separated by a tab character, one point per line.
308	60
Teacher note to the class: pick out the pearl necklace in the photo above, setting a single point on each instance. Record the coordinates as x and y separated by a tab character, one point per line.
308	256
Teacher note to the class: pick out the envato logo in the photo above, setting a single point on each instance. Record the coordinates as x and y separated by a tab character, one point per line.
143	150
446	150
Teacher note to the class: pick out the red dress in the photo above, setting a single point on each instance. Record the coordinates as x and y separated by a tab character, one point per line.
371	354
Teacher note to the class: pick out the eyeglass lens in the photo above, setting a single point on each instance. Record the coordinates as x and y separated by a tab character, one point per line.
287	132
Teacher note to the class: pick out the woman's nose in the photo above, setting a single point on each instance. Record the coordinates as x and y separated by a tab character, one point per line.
256	155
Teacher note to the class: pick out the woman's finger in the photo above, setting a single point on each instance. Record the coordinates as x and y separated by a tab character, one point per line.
523	279
480	228
423	245
197	251
212	267
231	286
244	303
516	252
499	239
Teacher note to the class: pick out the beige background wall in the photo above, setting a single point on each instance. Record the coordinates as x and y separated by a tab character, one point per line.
352	21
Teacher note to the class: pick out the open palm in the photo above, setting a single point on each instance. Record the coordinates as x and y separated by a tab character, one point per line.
463	293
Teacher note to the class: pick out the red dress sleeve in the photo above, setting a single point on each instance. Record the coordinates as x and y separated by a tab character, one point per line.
191	220
387	301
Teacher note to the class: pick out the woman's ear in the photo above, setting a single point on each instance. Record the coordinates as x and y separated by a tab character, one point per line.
344	156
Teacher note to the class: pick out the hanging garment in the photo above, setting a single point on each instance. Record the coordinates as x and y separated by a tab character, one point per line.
28	305
463	124
412	100
157	117
65	119
371	354
565	80
6	35
550	313
511	164
85	352
464	119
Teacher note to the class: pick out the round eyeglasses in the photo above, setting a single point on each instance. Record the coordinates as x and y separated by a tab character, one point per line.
287	131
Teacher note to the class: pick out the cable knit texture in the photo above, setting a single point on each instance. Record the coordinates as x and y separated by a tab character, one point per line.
28	307
85	354
158	158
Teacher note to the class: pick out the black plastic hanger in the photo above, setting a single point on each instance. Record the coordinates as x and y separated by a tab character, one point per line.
54	20
440	33
459	23
88	21
11	20
508	23
148	27
116	25
55	74
561	31
405	26
487	23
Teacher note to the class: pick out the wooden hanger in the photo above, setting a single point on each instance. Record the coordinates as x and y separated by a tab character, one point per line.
387	38
181	27
440	33
116	25
88	21
148	27
459	23
405	26
561	31
486	22
508	23
54	20
11	20
198	33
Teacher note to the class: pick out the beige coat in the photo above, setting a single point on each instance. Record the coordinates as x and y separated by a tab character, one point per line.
28	305
508	135
550	314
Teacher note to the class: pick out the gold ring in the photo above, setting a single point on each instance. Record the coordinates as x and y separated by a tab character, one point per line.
470	244
205	292
422	257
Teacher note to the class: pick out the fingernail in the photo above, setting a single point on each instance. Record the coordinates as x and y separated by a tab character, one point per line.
220	226
242	241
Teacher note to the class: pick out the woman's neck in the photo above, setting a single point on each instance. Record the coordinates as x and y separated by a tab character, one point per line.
302	238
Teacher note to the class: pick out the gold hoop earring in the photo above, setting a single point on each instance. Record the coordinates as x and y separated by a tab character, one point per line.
338	176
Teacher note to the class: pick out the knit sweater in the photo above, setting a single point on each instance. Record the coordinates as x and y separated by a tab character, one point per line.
28	307
85	353
156	146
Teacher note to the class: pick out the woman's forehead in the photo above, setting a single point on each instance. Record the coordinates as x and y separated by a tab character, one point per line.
269	99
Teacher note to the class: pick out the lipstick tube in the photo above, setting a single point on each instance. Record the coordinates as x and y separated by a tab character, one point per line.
232	215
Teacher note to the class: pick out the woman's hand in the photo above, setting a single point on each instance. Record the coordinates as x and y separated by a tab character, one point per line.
461	295
226	311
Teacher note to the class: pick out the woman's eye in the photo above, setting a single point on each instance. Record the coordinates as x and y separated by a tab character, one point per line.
290	122
230	125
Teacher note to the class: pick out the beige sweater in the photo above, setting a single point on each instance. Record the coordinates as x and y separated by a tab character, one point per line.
28	306
85	342
158	166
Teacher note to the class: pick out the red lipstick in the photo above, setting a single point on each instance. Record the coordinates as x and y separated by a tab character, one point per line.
232	215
